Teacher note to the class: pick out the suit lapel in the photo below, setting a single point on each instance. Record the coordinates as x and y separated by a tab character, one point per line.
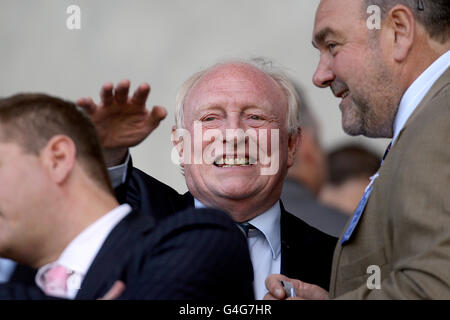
110	262
290	255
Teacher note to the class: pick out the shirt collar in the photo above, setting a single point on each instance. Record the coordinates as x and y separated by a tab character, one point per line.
268	223
81	251
417	91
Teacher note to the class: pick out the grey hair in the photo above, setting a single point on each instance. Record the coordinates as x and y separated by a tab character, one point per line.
435	16
263	65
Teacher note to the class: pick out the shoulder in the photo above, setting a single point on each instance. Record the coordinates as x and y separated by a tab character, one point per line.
142	178
196	219
195	254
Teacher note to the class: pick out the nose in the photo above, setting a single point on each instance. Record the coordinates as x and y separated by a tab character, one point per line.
234	121
324	75
234	131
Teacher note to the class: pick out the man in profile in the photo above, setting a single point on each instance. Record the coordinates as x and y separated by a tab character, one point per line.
394	82
58	214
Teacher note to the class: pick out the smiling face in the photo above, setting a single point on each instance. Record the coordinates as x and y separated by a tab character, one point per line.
238	96
353	64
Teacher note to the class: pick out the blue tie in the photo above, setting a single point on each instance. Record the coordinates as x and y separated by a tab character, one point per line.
362	203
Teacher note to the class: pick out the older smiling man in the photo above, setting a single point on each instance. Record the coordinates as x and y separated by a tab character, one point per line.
227	96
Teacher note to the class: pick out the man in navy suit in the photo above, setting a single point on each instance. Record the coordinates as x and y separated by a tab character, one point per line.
237	97
58	214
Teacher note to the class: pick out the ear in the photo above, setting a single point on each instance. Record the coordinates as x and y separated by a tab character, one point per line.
294	143
401	21
58	157
178	143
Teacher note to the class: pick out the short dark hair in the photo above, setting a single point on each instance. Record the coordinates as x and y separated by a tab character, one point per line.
435	16
351	161
32	119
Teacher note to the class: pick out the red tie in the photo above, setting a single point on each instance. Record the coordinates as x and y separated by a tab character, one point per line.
55	281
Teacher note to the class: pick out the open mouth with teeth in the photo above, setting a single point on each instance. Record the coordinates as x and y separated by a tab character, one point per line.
233	162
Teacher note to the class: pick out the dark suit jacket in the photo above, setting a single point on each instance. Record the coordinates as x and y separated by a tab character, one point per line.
195	254
304	205
306	253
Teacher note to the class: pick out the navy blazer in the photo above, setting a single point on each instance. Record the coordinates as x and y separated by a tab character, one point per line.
196	254
306	253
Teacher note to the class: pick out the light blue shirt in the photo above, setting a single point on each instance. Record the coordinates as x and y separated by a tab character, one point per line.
6	269
417	91
118	174
264	245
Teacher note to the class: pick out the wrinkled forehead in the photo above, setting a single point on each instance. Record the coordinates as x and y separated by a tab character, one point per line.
235	83
338	16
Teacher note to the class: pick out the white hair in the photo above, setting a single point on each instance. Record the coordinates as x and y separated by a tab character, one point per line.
263	65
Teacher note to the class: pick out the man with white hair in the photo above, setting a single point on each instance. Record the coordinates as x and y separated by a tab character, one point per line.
218	103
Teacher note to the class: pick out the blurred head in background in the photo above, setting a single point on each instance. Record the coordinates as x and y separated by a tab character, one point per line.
309	166
350	168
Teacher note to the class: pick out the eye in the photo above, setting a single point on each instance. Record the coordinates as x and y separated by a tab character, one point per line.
209	118
331	46
255	117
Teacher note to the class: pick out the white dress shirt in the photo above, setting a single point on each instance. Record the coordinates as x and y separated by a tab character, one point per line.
417	91
81	251
264	245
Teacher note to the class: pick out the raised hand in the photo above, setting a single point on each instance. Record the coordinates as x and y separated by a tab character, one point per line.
122	121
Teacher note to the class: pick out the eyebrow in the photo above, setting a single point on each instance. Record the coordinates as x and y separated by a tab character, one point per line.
320	36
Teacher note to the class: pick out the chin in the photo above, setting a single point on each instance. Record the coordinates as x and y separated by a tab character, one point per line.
237	190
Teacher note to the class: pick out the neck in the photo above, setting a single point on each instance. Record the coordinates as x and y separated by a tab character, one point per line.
78	208
422	56
241	210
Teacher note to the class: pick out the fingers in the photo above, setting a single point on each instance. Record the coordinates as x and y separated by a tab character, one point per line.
310	291
273	284
141	94
87	104
156	115
268	296
106	94
121	91
115	291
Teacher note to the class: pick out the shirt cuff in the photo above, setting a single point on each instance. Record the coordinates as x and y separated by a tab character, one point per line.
118	174
6	269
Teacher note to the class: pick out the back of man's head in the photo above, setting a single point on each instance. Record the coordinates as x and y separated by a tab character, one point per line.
31	120
309	167
433	15
351	161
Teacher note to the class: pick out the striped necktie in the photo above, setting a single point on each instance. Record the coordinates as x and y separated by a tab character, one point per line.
246	227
